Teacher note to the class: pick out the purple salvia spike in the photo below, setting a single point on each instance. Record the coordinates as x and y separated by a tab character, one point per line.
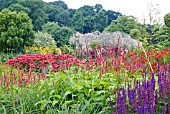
156	96
164	109
161	89
139	95
158	66
151	111
0	81
153	82
124	99
159	78
140	110
169	105
111	102
169	71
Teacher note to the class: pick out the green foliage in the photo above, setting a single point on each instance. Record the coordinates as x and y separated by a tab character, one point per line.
4	57
167	19
101	21
112	15
77	21
135	33
57	12
16	31
6	3
94	43
61	34
51	27
60	3
18	8
85	19
67	49
87	10
37	12
89	22
123	24
43	40
155	36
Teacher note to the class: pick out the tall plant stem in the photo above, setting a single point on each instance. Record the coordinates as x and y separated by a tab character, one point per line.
146	57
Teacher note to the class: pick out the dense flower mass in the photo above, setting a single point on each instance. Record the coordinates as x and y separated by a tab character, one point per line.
146	75
144	97
38	62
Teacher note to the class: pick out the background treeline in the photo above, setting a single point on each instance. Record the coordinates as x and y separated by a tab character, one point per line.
26	23
85	19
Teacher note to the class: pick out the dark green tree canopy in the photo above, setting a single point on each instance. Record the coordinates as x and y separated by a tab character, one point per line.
37	12
56	13
18	8
6	3
60	34
59	3
16	31
98	7
112	15
101	21
123	24
78	21
167	20
87	10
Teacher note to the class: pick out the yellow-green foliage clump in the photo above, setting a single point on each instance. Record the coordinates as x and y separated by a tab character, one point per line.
42	50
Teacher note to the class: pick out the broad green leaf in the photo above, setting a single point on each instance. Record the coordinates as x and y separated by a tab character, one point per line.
80	96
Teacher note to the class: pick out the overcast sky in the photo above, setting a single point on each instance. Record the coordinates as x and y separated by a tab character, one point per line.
137	8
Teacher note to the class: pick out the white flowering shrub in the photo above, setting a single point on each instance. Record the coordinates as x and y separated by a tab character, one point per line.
43	40
107	38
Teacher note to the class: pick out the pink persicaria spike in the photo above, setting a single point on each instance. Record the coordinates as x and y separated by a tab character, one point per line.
118	42
104	46
87	49
138	44
0	81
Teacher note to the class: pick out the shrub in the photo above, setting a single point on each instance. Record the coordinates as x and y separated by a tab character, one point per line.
94	43
43	39
116	38
167	20
16	31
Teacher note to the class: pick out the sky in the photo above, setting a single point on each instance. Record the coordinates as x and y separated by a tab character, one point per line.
137	8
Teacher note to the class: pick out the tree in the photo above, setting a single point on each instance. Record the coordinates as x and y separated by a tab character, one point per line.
167	29
37	12
87	10
60	4
88	24
77	22
43	39
112	15
157	34
16	31
57	13
167	19
123	24
71	12
18	8
135	33
6	3
98	7
100	21
51	27
154	22
61	34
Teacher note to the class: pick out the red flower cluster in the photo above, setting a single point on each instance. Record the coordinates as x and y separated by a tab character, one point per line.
38	62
